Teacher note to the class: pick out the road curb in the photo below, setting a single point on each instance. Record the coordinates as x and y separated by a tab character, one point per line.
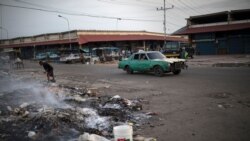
231	65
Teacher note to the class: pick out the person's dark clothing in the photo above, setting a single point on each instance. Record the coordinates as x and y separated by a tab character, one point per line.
48	68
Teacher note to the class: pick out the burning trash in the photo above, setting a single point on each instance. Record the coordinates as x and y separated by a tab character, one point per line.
37	111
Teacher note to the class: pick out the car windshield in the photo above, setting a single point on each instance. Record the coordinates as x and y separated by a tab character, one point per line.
155	55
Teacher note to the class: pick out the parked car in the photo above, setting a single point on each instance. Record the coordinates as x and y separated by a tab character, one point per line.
41	56
71	58
91	59
53	56
152	61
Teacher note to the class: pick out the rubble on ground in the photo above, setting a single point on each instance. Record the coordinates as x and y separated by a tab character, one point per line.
91	137
54	112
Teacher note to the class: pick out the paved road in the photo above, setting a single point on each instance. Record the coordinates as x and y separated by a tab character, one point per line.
200	104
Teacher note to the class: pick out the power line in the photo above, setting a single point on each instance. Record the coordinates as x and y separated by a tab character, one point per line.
179	9
113	2
128	3
195	5
150	2
142	1
82	14
193	9
33	4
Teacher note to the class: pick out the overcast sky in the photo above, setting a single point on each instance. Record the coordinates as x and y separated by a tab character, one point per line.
103	14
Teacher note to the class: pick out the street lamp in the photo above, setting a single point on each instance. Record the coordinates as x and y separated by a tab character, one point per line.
68	29
6	31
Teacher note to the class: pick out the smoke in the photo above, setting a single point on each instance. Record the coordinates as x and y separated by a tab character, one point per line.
93	120
31	91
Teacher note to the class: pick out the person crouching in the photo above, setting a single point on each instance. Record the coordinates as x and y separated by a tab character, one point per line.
48	70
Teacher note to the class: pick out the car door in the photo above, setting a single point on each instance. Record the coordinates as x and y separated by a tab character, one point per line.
134	62
144	63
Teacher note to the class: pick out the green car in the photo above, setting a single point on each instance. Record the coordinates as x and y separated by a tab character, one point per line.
152	61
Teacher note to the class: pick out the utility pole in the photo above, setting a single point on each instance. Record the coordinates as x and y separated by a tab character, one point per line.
117	20
164	8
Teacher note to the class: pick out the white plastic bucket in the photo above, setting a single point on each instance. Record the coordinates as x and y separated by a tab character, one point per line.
123	133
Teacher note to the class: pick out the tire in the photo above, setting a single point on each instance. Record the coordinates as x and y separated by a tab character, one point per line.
176	72
129	70
158	71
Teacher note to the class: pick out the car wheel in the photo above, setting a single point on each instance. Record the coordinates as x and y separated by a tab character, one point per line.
176	72
129	70
158	71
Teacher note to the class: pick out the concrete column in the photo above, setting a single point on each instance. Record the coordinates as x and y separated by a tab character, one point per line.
229	18
144	45
189	22
34	51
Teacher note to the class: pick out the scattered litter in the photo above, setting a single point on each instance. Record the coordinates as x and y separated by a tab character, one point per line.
225	105
25	114
24	105
9	108
220	106
150	139
151	113
112	106
92	92
53	84
54	110
46	109
89	92
116	97
123	133
92	119
91	137
31	134
138	138
78	98
144	101
107	86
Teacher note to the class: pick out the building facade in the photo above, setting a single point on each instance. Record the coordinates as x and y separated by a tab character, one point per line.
87	40
219	33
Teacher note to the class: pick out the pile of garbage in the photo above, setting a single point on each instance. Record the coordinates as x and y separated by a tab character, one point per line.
39	111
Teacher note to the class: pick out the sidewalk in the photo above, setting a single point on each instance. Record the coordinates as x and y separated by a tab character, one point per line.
220	61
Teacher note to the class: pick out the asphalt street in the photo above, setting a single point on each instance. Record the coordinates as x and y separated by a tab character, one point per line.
202	103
